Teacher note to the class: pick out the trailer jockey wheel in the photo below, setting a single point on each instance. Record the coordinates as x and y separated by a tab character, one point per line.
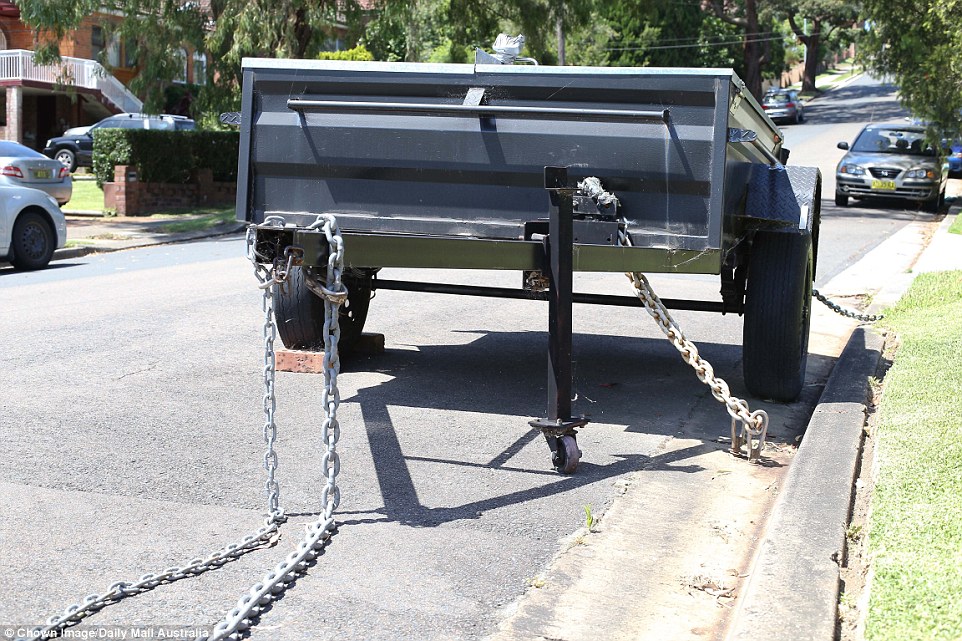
566	454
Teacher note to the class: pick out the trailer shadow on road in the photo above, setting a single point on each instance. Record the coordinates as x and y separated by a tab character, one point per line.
640	384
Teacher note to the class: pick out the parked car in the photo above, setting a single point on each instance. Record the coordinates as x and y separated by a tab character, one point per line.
784	105
76	150
891	161
954	159
31	227
76	131
23	167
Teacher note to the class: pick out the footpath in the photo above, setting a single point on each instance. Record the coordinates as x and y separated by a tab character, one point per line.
89	233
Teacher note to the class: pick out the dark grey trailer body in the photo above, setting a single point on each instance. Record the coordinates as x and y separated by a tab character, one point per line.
478	167
423	153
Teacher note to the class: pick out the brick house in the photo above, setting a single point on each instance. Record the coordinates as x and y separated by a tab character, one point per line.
39	102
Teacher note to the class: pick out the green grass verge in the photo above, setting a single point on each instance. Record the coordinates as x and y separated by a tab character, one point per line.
956	227
194	219
87	196
915	530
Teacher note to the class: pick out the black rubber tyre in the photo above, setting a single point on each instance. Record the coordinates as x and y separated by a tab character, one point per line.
67	158
778	307
933	206
300	313
841	200
33	242
567	455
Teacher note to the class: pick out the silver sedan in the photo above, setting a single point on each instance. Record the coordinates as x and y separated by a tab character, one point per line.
32	227
23	167
891	161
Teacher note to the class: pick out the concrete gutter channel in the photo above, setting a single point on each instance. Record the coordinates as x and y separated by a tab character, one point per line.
793	590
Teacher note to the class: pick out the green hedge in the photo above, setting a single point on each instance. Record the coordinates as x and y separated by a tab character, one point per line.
165	156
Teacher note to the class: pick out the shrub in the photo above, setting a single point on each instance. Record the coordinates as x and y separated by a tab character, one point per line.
359	52
165	156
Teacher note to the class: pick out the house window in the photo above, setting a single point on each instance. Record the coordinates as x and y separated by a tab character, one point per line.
113	51
130	53
3	40
200	68
96	42
181	76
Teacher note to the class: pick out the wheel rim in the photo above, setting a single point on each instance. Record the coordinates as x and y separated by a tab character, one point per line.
33	241
65	159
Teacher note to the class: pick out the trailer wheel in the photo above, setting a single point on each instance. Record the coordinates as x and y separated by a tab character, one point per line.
566	456
300	312
777	315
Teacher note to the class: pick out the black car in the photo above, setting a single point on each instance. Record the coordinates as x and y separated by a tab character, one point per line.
77	150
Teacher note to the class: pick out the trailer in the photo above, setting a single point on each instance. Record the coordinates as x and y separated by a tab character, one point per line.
540	170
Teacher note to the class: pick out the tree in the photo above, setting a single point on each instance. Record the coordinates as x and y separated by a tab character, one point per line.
158	29
229	30
917	44
744	14
823	17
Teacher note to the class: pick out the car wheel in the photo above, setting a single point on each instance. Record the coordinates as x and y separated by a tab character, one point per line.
935	204
841	200
66	158
778	306
33	242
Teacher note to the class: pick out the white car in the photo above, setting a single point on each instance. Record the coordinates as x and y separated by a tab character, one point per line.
23	167
32	227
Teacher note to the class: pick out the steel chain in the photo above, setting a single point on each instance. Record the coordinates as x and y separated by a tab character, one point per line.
263	592
838	309
754	424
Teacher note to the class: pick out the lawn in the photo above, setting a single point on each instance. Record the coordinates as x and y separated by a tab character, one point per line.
915	529
87	196
956	227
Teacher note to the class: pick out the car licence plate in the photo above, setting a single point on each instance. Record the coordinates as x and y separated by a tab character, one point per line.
42	173
888	185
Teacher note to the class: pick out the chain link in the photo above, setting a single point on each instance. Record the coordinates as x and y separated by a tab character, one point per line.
275	581
754	424
262	593
838	309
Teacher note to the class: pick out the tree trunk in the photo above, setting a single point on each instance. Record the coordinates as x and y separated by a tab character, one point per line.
752	51
561	41
811	58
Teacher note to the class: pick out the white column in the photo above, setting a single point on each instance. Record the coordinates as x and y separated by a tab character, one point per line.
15	114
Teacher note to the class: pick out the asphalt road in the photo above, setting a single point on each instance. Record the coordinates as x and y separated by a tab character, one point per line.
132	424
847	233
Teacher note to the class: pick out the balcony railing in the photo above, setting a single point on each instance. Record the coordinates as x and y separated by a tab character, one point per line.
18	64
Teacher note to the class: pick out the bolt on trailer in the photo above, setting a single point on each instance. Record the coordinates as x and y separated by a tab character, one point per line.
541	170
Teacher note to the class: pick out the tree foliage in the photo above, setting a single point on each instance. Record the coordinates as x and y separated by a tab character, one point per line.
228	31
156	29
918	45
822	18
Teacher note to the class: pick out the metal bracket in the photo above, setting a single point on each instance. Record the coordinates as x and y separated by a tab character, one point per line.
558	251
475	97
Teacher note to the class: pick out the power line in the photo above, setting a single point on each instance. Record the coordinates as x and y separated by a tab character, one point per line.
701	44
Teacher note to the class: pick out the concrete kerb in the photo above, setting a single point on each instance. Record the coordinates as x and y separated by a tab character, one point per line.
793	591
